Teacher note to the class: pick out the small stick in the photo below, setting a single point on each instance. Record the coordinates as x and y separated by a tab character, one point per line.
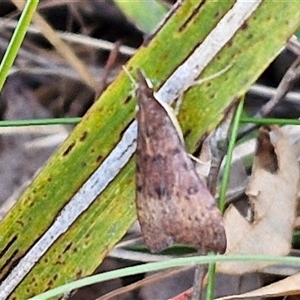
199	276
218	142
288	80
110	63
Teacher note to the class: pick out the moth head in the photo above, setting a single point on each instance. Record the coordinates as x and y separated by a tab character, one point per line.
141	76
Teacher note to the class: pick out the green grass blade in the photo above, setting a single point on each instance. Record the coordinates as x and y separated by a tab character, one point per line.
17	39
145	14
157	266
223	189
38	122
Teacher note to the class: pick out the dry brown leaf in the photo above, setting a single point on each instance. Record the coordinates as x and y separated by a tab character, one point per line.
285	287
272	193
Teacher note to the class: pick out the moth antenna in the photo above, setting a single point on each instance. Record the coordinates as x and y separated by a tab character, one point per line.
133	81
134	84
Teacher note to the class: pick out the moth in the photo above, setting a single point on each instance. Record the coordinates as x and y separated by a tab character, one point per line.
173	203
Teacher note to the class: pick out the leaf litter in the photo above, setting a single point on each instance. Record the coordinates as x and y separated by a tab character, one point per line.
272	193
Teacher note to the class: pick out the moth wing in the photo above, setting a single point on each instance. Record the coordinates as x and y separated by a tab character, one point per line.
197	220
173	203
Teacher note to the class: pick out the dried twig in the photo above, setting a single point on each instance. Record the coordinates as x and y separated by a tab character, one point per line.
287	82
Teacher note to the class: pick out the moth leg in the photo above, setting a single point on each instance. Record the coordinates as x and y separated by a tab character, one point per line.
198	82
213	76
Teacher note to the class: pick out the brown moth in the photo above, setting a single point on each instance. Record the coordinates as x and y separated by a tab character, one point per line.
173	203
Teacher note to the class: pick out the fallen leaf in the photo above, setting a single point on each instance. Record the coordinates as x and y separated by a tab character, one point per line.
272	193
284	287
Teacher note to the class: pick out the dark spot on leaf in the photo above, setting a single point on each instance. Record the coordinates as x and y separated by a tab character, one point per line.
20	222
187	133
68	150
229	43
139	188
99	158
83	136
127	100
49	179
61	263
67	248
216	15
244	26
50	283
